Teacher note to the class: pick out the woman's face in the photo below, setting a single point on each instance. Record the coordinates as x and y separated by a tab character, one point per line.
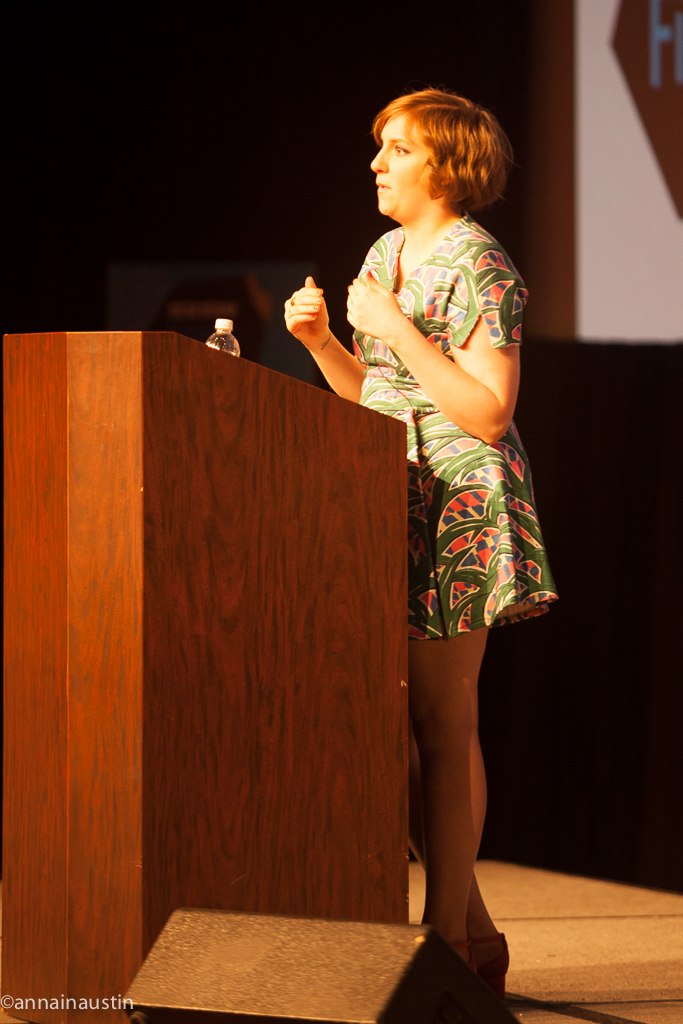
402	173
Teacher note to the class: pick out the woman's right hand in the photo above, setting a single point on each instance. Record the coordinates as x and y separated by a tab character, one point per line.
306	315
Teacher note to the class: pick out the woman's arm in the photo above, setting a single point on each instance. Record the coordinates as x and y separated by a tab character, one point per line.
477	391
306	318
341	370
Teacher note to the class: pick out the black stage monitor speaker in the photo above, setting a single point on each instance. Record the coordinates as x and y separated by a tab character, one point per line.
211	965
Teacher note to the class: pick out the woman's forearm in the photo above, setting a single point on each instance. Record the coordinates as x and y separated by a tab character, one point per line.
462	398
341	370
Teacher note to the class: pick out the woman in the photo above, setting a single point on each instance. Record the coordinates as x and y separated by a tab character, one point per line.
437	314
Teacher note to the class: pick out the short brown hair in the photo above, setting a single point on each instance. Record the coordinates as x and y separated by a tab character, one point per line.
470	153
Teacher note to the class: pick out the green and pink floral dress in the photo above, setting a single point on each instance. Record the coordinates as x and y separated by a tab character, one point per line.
475	550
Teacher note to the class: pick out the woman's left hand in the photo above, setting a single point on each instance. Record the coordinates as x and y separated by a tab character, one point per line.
374	310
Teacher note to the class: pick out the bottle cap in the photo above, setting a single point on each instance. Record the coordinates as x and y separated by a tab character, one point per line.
224	325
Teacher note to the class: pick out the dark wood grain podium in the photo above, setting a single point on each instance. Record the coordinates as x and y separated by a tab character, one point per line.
205	651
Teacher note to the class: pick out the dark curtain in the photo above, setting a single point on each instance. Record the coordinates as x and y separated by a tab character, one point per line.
582	708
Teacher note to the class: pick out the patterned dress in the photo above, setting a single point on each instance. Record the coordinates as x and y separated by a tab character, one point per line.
475	550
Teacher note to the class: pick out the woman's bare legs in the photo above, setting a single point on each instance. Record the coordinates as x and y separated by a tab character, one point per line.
448	784
478	919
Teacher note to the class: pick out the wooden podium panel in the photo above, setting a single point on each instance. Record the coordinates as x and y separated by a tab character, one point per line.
206	654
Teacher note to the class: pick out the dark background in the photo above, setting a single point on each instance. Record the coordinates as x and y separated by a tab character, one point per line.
142	133
149	133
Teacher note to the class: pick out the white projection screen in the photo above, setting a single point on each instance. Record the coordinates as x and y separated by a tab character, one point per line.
629	170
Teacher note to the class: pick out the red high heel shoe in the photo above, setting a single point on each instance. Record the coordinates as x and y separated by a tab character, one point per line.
493	971
466	944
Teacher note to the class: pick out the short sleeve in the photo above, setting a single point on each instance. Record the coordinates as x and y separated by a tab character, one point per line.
487	284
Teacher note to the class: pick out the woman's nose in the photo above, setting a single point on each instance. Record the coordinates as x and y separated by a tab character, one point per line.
377	163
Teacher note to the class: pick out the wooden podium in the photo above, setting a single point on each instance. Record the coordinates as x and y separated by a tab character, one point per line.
205	651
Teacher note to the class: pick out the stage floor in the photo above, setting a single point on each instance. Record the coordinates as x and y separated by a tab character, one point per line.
581	949
595	951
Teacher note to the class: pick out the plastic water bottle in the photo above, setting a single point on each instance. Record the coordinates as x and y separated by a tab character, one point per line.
223	338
